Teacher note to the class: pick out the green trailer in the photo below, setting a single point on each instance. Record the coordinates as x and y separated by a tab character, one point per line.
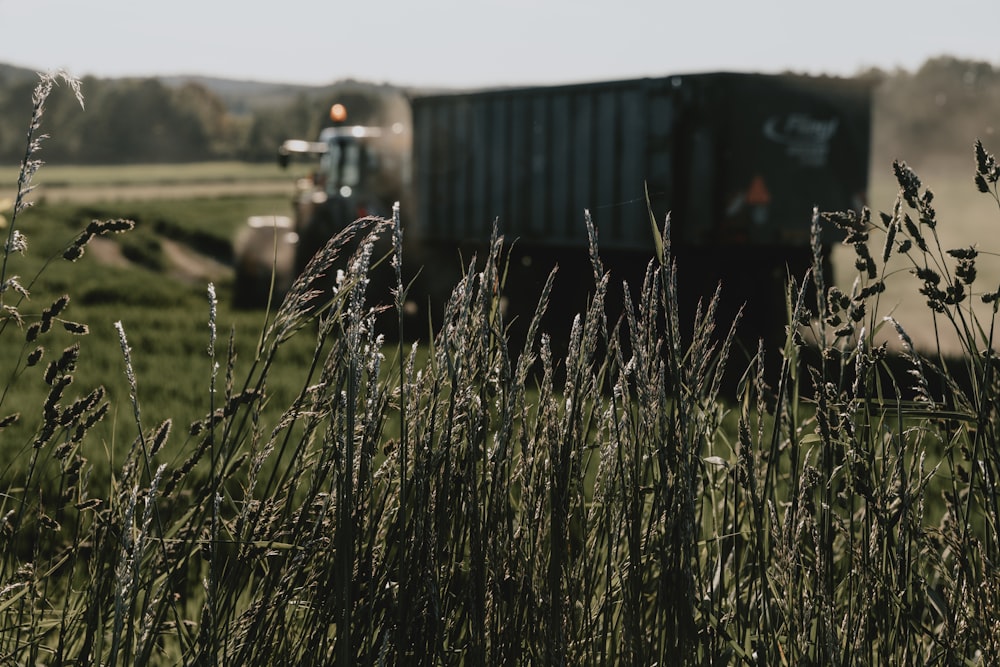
739	161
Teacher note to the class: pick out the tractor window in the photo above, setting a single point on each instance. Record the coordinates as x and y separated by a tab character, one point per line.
342	163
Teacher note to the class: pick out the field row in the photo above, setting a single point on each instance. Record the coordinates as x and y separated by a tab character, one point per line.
96	183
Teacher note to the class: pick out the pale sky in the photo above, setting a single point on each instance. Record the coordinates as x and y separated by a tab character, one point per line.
473	43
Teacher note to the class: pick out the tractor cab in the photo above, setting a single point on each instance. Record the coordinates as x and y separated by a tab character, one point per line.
346	184
356	171
347	159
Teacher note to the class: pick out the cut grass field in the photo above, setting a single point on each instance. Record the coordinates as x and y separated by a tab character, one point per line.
108	183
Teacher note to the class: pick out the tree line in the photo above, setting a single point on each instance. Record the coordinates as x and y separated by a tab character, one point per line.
940	108
147	120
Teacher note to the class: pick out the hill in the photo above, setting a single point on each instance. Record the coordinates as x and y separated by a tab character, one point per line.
246	96
12	75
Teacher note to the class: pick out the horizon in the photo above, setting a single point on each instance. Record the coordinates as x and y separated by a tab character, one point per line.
237	79
443	43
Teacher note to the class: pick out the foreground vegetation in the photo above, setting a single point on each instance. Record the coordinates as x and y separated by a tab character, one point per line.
132	278
485	505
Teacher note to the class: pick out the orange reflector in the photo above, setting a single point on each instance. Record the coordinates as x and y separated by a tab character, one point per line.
757	193
338	113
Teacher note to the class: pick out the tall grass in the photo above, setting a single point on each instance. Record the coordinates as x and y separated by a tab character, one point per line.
469	503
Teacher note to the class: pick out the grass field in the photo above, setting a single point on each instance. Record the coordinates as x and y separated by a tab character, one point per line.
353	502
223	194
158	301
163	307
207	223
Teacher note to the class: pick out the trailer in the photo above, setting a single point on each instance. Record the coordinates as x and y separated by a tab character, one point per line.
738	160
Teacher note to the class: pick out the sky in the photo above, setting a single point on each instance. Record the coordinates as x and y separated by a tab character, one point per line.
478	43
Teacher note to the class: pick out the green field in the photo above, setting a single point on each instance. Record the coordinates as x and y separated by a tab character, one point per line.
221	195
163	307
347	503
